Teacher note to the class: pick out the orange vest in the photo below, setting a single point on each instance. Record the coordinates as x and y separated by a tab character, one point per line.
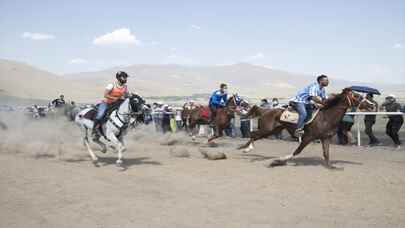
116	92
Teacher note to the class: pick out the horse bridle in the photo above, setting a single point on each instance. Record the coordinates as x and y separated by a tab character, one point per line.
350	99
125	123
236	104
130	113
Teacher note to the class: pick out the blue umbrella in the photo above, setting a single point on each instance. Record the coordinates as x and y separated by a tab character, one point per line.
365	89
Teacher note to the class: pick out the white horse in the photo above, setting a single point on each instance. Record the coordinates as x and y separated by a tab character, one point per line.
114	129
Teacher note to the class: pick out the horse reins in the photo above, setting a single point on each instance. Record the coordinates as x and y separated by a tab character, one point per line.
125	124
349	100
236	105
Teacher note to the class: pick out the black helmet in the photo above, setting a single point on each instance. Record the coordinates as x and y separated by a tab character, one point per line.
121	76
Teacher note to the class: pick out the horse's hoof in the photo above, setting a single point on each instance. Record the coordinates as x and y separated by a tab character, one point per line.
120	165
278	162
212	144
332	167
248	149
95	163
241	147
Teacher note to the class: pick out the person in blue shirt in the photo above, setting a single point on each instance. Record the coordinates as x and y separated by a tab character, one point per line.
304	101
218	100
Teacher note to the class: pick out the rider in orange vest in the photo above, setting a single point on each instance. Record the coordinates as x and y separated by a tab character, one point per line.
112	93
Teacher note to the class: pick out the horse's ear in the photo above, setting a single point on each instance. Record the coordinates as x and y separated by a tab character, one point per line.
347	90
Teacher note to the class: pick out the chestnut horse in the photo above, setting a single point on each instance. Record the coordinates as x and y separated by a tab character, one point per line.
265	120
323	127
222	119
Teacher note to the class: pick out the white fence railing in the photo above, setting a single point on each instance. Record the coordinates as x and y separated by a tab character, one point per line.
358	114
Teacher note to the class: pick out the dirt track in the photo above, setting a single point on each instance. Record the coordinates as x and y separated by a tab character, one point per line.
47	182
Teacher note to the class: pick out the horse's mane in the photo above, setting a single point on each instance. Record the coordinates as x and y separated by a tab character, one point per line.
333	101
235	97
229	100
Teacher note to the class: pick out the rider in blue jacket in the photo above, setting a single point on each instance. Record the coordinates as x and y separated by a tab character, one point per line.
218	100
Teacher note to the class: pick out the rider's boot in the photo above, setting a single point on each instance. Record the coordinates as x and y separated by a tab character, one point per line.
95	132
299	132
212	119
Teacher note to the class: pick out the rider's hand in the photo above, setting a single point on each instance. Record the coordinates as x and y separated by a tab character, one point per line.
319	105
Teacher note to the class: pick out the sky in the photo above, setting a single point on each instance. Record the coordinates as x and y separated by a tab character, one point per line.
362	40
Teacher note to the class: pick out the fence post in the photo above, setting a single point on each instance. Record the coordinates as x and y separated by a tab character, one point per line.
358	130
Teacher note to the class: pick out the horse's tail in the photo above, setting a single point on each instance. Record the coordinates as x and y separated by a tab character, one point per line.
78	115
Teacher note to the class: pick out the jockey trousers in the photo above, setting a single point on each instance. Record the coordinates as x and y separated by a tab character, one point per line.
304	111
102	107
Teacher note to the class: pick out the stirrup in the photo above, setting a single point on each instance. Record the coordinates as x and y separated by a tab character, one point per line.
299	132
95	133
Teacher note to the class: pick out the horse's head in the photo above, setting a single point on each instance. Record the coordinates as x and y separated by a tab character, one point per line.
352	99
346	98
136	102
234	101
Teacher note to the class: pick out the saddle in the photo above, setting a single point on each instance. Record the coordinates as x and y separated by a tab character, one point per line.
91	115
290	115
205	112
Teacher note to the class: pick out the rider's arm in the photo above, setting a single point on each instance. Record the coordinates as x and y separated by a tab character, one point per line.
317	99
215	100
108	96
107	92
225	98
126	93
316	94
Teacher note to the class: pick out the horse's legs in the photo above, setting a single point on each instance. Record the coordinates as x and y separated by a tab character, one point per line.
101	144
117	144
213	137
283	160
325	148
259	134
248	146
87	144
304	142
218	134
121	139
191	130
